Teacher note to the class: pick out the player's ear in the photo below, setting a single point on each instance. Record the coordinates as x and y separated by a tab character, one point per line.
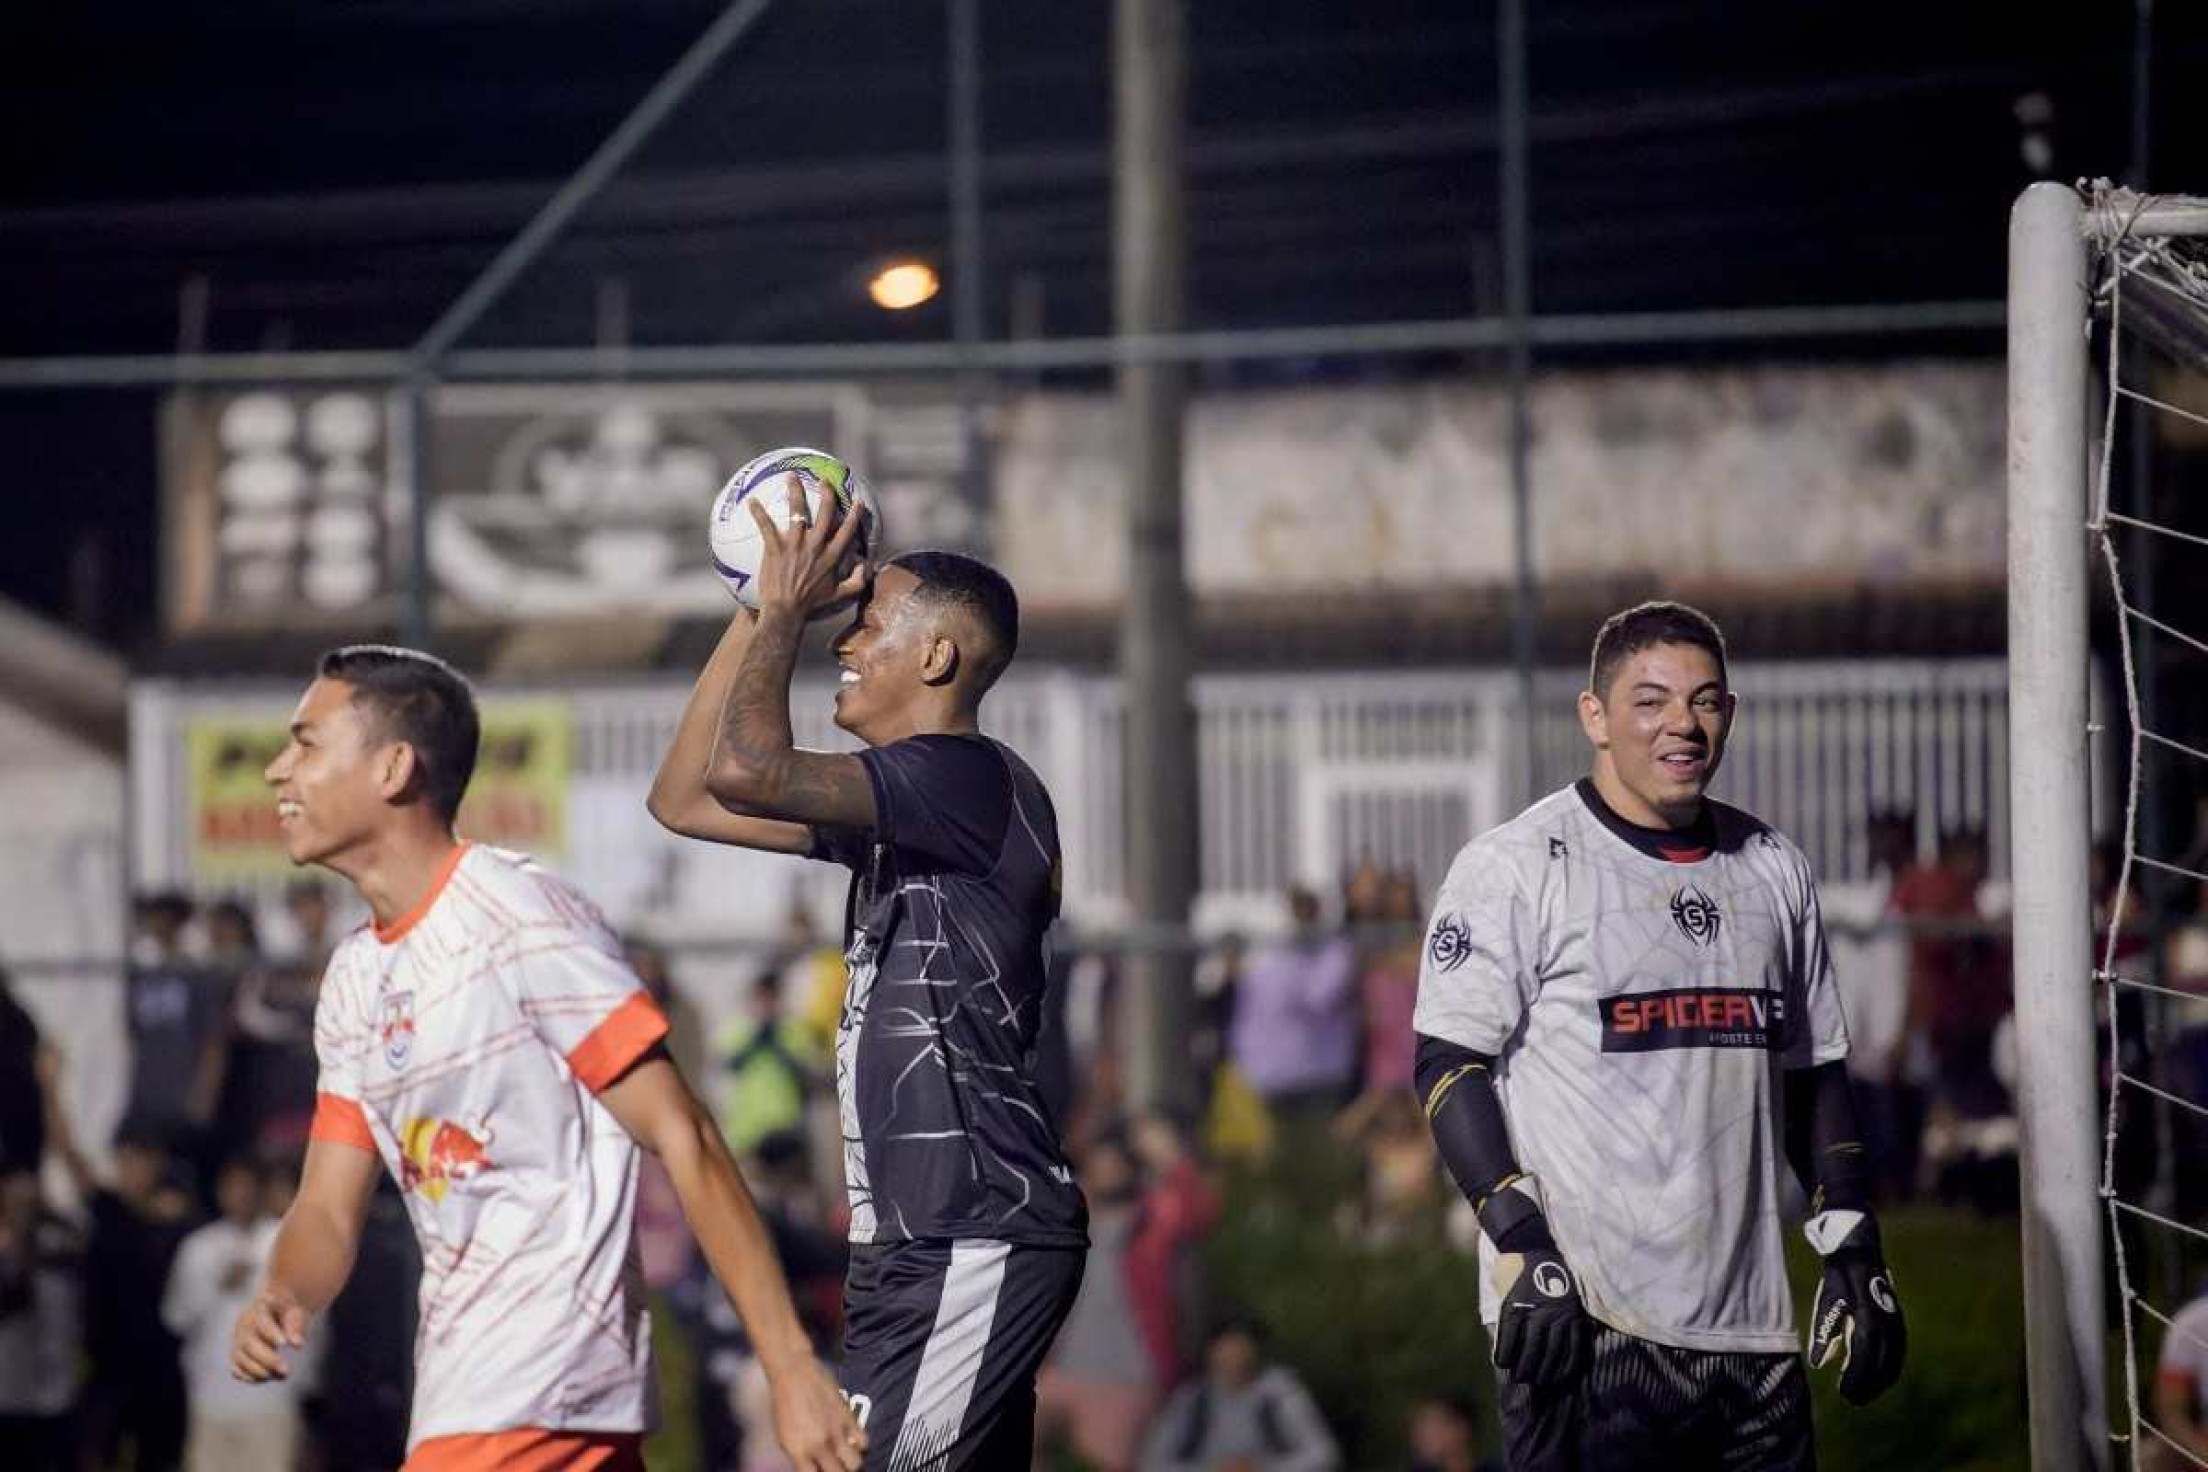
396	766
939	661
1594	720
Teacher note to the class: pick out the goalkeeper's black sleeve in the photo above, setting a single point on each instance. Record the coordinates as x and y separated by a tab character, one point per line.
1822	1140
1542	1332
1856	1318
1458	1090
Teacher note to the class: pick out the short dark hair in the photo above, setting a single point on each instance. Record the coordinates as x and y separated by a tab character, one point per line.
421	700
1644	626
955	580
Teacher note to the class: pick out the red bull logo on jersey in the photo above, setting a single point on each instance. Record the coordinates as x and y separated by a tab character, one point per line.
436	1154
1692	1017
396	1026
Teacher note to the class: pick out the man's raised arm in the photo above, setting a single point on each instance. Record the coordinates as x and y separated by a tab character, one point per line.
679	800
755	766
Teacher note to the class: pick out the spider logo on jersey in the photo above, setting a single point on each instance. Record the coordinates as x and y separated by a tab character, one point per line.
1451	944
1696	914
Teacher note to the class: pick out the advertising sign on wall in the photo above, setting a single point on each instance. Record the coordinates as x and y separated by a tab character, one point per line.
518	798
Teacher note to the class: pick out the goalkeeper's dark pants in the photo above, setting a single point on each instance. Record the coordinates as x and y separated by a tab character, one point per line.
1643	1405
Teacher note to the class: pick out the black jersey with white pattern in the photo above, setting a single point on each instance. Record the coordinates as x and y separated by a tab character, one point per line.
952	895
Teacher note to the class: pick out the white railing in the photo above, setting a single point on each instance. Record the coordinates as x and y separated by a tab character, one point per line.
1300	777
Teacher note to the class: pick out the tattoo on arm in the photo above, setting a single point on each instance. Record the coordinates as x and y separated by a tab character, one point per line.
755	719
781	780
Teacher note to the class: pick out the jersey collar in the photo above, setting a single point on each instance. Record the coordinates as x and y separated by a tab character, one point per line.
1689	845
397	929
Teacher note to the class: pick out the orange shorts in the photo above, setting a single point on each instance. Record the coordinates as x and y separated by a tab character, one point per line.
530	1449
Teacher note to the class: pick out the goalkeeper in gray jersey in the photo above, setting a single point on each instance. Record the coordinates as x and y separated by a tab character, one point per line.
1625	1012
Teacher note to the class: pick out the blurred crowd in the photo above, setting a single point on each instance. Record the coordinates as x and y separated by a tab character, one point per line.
119	1281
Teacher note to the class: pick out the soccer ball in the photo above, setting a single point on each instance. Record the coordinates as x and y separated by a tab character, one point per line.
776	478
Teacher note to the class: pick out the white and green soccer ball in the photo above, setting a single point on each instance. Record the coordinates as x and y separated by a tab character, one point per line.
776	480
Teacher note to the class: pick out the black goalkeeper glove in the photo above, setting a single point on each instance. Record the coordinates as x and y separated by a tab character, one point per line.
1856	1318
1542	1331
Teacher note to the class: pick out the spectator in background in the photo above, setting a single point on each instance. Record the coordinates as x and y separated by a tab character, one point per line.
1401	1194
1957	992
232	1424
1958	996
1444	1435
269	1092
140	1216
1294	1034
233	940
1099	1386
1871	962
663	1240
766	1069
2185	969
812	975
1120	1349
812	969
685	1027
734	1399
22	1101
177	1020
2181	1392
1387	982
1240	1415
41	1329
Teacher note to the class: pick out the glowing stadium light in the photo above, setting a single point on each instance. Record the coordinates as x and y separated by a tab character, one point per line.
903	284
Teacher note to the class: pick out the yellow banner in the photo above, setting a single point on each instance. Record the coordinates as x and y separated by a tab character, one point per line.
517	800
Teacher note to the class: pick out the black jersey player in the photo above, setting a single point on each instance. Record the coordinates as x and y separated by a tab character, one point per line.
967	1229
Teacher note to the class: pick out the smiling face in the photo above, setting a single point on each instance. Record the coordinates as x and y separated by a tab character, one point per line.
1659	733
886	658
332	776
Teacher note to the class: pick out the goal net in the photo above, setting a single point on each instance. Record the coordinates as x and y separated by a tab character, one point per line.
2112	1101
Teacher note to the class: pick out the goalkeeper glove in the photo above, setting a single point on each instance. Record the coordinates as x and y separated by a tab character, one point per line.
1541	1332
1856	1318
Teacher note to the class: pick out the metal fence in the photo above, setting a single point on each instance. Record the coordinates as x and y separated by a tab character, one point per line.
1300	778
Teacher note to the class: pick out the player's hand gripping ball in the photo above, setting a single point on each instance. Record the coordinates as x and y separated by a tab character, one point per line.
1856	1319
793	485
1541	1331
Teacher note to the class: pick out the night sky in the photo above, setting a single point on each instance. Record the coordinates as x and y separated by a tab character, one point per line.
337	172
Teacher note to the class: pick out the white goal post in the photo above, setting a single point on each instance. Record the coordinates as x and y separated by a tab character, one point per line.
2053	235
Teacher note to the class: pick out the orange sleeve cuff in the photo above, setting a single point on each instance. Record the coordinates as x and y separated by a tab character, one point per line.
340	1121
627	1032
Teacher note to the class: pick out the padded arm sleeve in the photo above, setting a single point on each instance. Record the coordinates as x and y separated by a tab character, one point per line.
1458	1089
1823	1141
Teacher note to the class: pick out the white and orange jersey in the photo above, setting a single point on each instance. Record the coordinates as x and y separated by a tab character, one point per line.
466	1044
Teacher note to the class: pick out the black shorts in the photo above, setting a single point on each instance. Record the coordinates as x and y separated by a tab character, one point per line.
1644	1405
941	1344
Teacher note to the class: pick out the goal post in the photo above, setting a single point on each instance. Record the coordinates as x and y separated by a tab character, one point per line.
2139	264
2050	832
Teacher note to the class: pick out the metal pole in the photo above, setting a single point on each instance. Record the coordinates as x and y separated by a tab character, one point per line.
2049	800
1518	356
414	416
666	95
1149	240
966	259
1022	354
520	253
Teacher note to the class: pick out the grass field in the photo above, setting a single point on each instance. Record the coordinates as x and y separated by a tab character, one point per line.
1372	1330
